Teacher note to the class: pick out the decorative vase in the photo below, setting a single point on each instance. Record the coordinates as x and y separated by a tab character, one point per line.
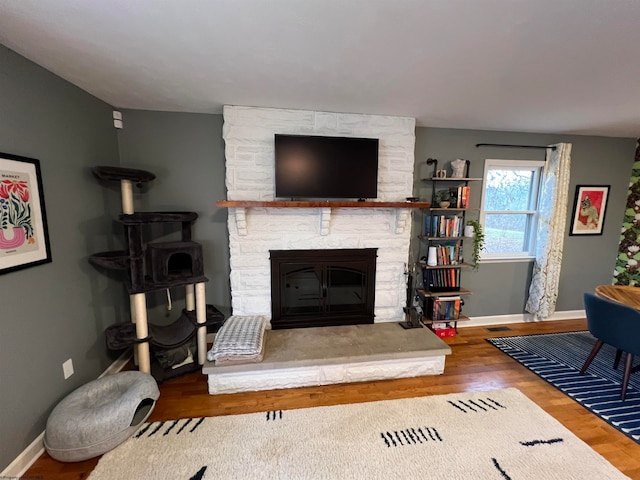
432	259
469	231
444	204
12	238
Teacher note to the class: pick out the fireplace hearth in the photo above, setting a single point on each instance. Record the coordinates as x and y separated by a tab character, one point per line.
316	288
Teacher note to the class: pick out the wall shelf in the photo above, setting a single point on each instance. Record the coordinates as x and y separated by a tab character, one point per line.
402	209
451	179
443	231
428	294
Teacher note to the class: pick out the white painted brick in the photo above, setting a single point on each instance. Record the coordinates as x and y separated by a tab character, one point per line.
248	134
326	122
258	136
265	158
389	314
252	194
354	121
255	148
254	262
386	298
254	174
253	116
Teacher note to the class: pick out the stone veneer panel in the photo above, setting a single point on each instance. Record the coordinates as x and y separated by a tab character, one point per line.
313	375
248	133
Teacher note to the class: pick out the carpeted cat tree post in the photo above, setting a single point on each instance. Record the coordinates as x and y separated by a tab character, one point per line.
157	266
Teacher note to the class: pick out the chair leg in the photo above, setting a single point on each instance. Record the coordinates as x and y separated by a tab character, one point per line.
616	362
625	376
594	351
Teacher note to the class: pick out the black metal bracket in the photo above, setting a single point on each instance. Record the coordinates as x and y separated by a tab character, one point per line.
433	161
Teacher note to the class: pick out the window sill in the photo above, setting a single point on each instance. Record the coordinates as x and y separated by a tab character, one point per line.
507	259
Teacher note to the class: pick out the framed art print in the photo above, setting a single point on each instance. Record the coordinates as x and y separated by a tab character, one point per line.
589	208
24	239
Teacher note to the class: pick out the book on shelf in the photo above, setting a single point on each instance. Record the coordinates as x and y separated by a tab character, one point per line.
448	254
466	193
459	196
444	226
444	308
441	279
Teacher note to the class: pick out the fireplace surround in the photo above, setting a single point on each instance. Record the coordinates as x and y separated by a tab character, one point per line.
318	288
264	224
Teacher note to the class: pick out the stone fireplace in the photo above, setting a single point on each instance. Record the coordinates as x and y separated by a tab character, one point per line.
255	232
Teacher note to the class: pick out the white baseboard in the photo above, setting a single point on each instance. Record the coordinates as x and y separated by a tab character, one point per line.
520	318
118	364
29	455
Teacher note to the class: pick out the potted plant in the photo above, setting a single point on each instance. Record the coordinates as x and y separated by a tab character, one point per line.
478	241
443	198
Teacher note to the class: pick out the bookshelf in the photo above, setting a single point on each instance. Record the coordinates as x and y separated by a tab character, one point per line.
442	248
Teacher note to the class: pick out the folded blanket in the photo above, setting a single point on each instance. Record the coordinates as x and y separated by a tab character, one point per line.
239	337
228	360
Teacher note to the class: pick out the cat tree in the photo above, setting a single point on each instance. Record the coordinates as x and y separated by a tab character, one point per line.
157	266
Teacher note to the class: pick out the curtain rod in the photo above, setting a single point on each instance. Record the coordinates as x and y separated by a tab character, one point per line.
512	146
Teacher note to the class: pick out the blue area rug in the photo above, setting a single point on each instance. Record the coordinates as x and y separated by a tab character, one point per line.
558	358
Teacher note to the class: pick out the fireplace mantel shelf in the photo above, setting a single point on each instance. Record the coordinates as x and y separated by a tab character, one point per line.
317	204
402	210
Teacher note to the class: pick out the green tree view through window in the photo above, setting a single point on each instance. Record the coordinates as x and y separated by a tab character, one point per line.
509	207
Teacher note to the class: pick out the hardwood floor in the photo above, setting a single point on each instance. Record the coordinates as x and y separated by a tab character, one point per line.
473	365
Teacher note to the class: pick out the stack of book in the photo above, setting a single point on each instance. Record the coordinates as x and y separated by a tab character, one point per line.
459	196
444	226
441	279
444	308
449	253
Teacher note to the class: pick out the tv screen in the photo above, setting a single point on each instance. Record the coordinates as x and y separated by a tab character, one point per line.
326	167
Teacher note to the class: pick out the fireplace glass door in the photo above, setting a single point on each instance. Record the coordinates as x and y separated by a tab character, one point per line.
303	290
346	288
312	288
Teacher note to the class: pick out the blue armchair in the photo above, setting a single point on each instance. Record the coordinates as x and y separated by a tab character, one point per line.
614	324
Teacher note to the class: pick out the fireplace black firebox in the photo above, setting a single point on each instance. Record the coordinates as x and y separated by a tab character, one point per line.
318	288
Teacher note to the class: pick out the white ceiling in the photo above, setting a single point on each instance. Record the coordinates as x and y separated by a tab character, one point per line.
563	66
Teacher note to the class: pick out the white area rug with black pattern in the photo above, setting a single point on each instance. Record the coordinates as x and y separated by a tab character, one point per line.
498	434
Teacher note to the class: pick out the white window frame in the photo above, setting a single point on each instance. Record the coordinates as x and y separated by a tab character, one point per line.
531	165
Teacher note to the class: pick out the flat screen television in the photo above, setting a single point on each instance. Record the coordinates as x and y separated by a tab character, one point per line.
315	167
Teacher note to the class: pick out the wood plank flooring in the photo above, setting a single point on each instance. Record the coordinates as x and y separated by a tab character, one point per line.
473	365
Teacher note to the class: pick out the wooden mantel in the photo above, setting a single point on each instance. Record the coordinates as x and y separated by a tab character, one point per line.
402	210
316	204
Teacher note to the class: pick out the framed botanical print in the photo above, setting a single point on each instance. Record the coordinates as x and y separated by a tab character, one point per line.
24	238
589	208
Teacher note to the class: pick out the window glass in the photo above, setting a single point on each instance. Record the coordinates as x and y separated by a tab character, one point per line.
506	233
508	189
509	208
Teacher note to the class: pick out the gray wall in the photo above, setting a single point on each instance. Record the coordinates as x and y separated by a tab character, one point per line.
55	311
59	310
186	153
502	288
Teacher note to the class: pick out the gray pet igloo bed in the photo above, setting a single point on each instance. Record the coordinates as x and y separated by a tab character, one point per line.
100	415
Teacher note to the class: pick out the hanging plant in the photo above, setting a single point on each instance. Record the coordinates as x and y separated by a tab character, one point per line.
478	242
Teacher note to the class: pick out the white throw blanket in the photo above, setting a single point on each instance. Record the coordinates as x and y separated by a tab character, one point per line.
239	337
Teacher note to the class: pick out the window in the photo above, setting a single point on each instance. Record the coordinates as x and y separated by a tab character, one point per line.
508	209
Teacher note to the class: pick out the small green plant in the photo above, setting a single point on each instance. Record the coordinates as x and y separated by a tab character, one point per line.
478	242
442	196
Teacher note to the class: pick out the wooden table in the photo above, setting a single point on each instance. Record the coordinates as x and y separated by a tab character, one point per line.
624	294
